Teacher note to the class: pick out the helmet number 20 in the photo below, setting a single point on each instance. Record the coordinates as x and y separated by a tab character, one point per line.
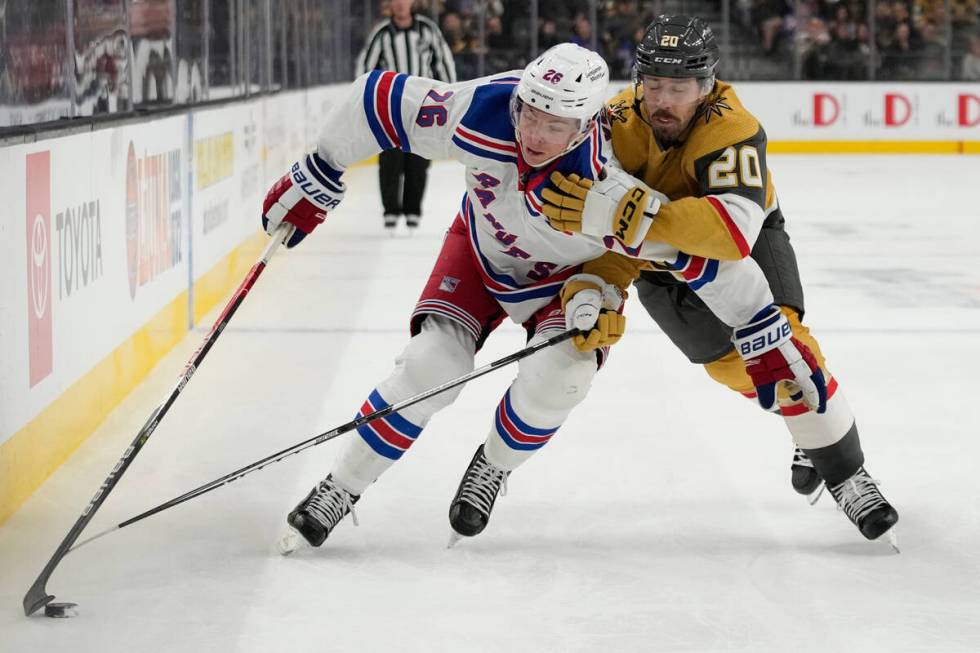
669	41
721	173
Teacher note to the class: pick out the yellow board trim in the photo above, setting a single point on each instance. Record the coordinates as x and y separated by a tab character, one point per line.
873	147
225	275
34	452
371	160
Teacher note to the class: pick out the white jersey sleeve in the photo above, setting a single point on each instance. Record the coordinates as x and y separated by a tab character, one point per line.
735	291
383	110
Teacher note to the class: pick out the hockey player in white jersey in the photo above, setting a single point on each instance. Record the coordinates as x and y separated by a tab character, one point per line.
500	259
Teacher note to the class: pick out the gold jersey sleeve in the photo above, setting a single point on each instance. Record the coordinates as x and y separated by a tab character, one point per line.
721	153
616	269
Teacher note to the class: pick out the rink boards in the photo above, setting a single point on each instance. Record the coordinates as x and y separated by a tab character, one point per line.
115	242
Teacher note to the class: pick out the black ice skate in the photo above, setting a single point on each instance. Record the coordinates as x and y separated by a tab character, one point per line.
862	502
804	477
470	510
316	515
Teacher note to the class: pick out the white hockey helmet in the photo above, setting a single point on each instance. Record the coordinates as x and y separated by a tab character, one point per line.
568	81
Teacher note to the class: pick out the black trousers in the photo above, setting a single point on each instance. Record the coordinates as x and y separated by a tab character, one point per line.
402	177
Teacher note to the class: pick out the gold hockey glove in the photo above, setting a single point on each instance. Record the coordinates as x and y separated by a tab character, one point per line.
590	305
615	205
608	329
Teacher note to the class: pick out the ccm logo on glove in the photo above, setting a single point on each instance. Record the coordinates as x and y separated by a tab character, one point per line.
637	197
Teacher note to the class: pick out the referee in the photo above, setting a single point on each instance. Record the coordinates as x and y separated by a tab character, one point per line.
406	43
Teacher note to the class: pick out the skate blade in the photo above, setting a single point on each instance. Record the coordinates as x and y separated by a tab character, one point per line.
814	496
454	538
290	542
892	539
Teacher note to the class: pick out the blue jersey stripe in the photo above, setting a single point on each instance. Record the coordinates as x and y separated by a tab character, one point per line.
681	262
396	111
479	151
519	293
502	279
534	293
707	275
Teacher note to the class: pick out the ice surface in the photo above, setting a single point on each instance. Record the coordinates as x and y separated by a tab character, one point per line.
660	519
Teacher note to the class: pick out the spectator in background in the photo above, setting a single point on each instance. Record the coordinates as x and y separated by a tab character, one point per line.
884	25
815	49
618	38
581	32
618	24
548	34
452	31
500	54
898	56
932	53
971	61
458	33
411	43
769	16
849	45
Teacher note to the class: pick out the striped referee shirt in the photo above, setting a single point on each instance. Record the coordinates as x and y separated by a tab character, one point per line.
417	50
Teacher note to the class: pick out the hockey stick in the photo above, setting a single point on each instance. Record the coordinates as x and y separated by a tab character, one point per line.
37	596
340	430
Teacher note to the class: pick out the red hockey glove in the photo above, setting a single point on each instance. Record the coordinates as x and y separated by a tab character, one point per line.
772	356
302	197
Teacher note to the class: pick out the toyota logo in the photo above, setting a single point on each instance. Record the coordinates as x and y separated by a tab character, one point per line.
40	267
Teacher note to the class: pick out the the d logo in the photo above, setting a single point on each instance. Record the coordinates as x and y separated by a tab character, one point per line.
966	117
826	109
898	110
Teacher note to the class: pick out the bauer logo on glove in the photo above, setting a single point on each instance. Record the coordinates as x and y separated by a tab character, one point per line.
766	340
773	356
302	197
312	191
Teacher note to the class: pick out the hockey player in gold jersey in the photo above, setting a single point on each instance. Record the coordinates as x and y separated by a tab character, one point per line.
680	131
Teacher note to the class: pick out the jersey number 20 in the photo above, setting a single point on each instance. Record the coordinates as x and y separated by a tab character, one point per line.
722	174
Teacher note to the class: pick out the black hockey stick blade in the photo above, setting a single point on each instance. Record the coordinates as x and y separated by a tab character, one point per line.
37	596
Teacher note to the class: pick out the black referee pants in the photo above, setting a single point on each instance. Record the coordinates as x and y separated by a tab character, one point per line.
402	177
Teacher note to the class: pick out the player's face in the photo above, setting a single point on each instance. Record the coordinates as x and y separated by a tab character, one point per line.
544	136
670	104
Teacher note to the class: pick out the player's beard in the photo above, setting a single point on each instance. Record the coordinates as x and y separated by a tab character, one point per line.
667	127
